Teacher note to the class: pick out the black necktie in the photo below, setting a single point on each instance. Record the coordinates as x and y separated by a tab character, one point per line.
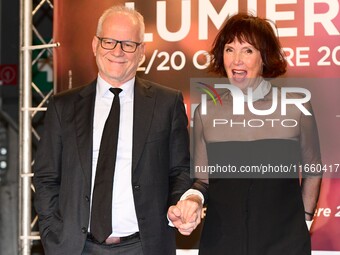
101	213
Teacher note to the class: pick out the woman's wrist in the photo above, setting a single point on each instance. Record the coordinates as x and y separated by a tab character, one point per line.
310	214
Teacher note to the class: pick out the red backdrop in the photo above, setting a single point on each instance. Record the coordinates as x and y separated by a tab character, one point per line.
179	32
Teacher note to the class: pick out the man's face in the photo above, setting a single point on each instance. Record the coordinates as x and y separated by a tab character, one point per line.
116	66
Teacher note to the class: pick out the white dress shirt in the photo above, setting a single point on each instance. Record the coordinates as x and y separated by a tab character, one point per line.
124	219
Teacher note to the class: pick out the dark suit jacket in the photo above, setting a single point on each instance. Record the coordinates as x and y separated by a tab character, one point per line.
62	169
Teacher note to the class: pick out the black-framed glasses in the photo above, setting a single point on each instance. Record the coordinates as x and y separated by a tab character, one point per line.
126	46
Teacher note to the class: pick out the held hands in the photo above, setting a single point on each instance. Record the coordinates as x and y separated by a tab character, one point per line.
186	214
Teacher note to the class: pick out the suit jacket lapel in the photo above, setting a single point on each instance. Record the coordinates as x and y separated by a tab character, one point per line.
84	128
144	103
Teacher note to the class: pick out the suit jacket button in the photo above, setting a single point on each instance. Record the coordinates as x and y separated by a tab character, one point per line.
136	187
84	230
87	198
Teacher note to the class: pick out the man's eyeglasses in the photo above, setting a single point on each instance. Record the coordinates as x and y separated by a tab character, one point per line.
126	46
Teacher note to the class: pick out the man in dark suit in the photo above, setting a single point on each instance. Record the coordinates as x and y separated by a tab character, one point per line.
152	159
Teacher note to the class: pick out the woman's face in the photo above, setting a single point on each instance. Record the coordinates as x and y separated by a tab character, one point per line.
243	64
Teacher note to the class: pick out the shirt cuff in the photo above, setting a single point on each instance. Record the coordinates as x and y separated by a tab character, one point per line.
309	224
192	192
170	222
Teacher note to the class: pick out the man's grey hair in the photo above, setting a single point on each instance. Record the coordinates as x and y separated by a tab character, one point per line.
121	9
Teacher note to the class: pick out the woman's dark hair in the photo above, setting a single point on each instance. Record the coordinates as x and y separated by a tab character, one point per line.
255	31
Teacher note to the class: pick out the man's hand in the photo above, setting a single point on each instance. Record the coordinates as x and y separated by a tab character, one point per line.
186	214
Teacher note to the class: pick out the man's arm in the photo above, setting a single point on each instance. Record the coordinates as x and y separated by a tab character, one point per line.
187	213
179	172
47	166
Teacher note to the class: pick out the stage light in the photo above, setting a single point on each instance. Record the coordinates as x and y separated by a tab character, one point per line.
3	152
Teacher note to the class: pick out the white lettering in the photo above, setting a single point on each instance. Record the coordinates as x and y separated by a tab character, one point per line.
274	15
325	19
296	101
206	9
295	123
256	123
163	32
206	56
261	123
238	102
262	112
219	122
232	123
204	104
289	53
300	56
